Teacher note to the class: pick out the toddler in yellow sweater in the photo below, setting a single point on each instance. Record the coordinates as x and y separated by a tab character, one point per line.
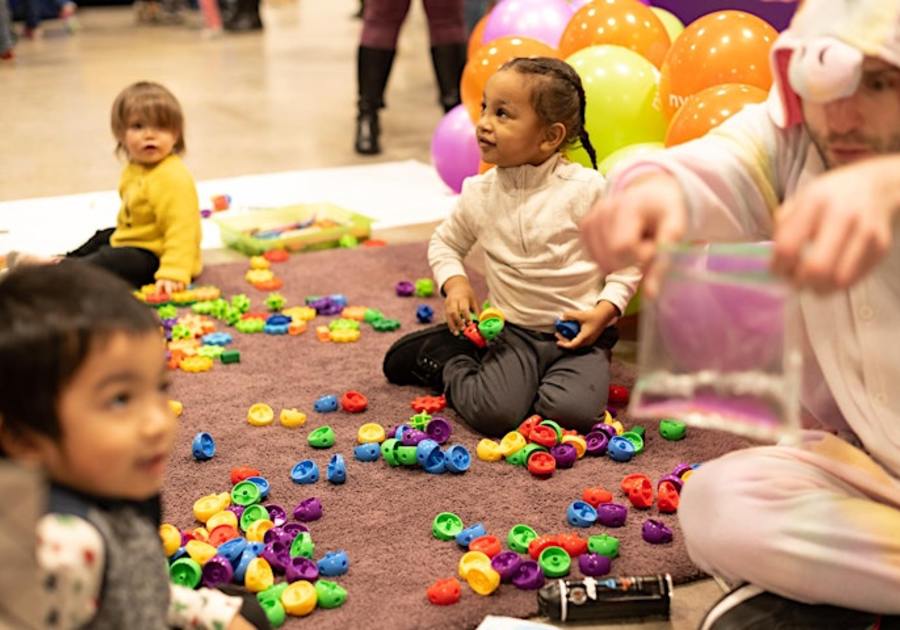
157	233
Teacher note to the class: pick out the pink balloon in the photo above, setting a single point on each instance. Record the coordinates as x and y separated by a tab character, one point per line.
543	20
577	4
454	148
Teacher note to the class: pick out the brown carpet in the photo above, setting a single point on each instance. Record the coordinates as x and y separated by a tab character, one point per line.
382	516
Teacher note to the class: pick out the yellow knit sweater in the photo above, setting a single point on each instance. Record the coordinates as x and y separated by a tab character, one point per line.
160	213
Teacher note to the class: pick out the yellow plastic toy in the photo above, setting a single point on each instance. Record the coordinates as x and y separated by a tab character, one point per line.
322	333
207	293
292	418
225	517
472	559
370	432
296	327
345	335
199	551
259	575
512	442
355	312
578	442
300	313
299	599
489	451
258	529
184	297
260	415
200	533
483	580
488	313
254	276
258	262
686	475
205	507
188	347
171	538
615	424
196	364
176	407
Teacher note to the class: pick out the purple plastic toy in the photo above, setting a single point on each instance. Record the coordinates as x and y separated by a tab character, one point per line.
412	437
326	306
613	412
656	532
607	429
217	572
292	529
565	455
237	509
277	514
597	441
278	555
593	564
506	563
438	429
278	533
673	479
404	288
611	514
528	576
681	468
308	510
301	568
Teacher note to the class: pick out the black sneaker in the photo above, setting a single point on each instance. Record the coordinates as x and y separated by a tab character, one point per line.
749	607
419	358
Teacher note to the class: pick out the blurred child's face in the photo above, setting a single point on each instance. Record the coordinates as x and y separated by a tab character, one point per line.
863	125
147	144
510	132
116	426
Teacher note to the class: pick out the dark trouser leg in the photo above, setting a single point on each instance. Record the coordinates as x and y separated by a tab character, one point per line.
245	18
98	240
447	30
133	264
373	68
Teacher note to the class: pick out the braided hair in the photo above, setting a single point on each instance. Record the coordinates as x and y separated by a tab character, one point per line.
558	99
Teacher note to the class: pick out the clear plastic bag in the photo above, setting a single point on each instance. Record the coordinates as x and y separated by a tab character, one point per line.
719	344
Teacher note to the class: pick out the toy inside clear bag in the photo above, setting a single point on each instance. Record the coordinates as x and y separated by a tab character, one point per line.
719	343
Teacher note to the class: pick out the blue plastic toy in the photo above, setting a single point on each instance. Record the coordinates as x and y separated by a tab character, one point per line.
305	472
216	339
436	463
263	484
278	320
458	458
367	452
203	447
425	450
334	563
232	550
620	449
250	552
567	328
424	314
339	298
581	514
337	470
469	534
326	404
276	329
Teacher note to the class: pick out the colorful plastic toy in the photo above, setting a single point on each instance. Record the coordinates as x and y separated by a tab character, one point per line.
323	437
636	440
357	313
505	564
472	333
488	450
270	601
253	513
512	442
260	415
581	514
565	455
301	568
256	532
596	495
470	560
604	545
594	565
469	534
536	546
245	493
171	538
620	449
639	490
326	404
345	335
196	364
404	288
424	287
292	418
239	473
305	472
217	339
618	395
370	432
258	576
275	301
668	499
528	576
543	435
541	464
490	328
217	572
203	447
656	532
612	514
483	580
330	594
574	544
446	526
199	551
222	533
276	255
336	472
300	313
457	458
386	325
323	333
230	356
308	510
555	562
354	402
367	452
389	451
303	546
334	563
486	544
300	598
597	443
429	404
185	572
444	592
577	442
420	420
176	407
424	314
567	328
438	429
672	430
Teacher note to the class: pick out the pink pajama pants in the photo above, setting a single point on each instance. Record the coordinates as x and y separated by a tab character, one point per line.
818	522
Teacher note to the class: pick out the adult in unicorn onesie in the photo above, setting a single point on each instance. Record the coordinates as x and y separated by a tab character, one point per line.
810	532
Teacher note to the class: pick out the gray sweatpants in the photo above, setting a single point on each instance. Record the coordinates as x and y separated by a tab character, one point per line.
525	372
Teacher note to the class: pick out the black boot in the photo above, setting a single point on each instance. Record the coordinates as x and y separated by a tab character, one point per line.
373	67
419	358
449	61
245	18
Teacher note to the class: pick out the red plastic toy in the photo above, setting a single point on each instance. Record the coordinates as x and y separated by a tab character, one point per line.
474	335
618	395
221	534
354	402
541	464
574	544
239	473
157	298
536	546
668	498
630	480
528	424
596	496
269	285
639	489
374	242
262	316
429	404
489	545
543	435
444	592
276	256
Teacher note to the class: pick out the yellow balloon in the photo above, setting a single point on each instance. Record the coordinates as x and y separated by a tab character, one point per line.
673	25
626	154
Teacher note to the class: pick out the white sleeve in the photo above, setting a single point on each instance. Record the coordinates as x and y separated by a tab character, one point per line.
620	287
453	239
71	560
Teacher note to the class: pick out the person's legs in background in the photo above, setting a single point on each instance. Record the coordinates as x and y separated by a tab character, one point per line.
6	35
447	30
474	10
382	20
32	11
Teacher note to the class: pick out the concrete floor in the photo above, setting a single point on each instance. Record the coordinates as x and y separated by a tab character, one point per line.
257	103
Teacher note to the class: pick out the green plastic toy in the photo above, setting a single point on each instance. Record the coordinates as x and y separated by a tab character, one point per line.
672	430
406	455
389	451
185	572
303	545
270	601
348	241
424	287
250	326
167	311
528	450
519	537
231	316
241	302
323	437
639	430
420	420
212	352
275	302
251	514
555	426
386	325
518	458
245	493
446	526
490	328
371	316
203	308
604	544
635	439
180	331
230	356
343	324
555	562
330	594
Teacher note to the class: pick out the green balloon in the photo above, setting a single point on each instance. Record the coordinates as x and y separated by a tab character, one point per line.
673	25
621	89
626	154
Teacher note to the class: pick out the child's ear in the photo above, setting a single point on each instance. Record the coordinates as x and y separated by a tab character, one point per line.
554	135
22	447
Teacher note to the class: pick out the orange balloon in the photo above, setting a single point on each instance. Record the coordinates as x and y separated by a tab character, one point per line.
488	59
476	39
722	47
626	23
709	108
484	167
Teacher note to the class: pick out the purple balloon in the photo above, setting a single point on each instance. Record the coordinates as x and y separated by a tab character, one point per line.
543	20
777	13
454	148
